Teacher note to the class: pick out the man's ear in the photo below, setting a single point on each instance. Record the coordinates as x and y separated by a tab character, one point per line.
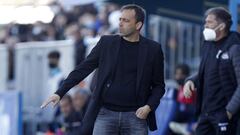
139	25
223	26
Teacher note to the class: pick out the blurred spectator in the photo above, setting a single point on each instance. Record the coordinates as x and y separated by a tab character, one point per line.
185	112
114	21
182	71
49	121
73	32
37	31
89	21
3	35
72	119
80	100
66	106
10	42
60	22
55	73
54	81
50	33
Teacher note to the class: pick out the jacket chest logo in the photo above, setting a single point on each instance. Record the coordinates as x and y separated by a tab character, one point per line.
224	56
218	54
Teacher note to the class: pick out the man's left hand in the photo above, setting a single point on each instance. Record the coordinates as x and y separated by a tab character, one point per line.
229	115
143	112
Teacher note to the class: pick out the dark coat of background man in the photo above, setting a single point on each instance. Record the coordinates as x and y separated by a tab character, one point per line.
130	80
218	78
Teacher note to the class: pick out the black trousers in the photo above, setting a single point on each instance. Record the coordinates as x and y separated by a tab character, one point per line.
238	127
216	124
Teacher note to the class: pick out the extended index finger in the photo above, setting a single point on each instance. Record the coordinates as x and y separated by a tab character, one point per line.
45	103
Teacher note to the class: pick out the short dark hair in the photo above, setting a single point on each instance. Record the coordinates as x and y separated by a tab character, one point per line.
67	97
140	12
221	15
184	68
54	54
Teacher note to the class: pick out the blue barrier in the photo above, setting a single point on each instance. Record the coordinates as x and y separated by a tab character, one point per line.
10	113
233	8
165	112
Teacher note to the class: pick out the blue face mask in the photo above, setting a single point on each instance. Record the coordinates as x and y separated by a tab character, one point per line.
54	71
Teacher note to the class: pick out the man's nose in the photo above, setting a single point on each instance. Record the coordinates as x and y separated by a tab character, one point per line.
120	25
206	26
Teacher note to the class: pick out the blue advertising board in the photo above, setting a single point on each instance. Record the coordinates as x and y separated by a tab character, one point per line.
10	113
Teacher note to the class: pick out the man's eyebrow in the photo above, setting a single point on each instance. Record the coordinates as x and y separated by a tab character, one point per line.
123	18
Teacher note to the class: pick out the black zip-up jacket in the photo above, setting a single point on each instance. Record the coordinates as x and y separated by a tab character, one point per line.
228	73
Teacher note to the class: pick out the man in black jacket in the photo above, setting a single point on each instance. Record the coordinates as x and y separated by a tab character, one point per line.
130	80
218	78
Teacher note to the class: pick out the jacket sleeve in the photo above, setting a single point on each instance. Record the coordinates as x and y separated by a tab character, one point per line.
82	70
234	104
158	85
194	78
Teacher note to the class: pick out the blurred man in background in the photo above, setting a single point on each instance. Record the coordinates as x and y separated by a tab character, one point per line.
55	78
80	100
182	71
186	105
66	106
55	74
70	121
184	116
218	78
73	33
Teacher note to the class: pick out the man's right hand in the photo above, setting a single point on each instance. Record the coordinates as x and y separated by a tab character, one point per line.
52	99
188	89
